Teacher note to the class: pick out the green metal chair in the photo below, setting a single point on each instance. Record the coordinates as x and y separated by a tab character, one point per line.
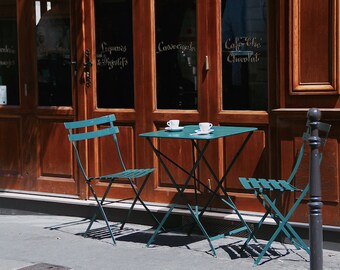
261	187
90	130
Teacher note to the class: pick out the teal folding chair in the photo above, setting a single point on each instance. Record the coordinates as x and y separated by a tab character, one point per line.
96	128
261	187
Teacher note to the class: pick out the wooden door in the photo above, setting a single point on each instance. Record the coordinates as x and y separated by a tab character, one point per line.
182	63
41	51
113	39
145	71
160	60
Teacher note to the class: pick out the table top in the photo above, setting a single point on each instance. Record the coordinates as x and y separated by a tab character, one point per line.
188	132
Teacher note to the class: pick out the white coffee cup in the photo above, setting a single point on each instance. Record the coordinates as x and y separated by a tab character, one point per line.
173	124
205	126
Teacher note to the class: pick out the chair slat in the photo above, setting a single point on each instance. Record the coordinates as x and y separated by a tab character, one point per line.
324	127
265	184
275	184
245	183
93	134
131	173
90	122
287	186
305	136
255	183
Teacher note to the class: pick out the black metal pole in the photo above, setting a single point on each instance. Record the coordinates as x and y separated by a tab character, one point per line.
315	204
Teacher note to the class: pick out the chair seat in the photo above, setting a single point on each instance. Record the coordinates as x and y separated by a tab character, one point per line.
131	173
264	184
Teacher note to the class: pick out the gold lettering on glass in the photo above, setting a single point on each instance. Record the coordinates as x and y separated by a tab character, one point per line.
105	59
243	49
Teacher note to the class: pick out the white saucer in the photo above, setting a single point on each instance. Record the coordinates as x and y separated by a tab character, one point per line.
174	129
199	132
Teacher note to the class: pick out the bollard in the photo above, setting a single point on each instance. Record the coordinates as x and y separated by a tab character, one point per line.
315	204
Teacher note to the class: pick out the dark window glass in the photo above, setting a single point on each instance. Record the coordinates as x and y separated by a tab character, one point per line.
115	81
244	54
176	68
9	86
53	52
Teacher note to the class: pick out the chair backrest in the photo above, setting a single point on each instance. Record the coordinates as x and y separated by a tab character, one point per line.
89	129
323	134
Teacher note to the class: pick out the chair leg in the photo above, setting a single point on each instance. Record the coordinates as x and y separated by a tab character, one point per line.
101	210
245	225
94	217
137	197
283	224
269	207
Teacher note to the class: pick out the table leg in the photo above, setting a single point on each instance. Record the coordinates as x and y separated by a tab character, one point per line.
219	186
180	194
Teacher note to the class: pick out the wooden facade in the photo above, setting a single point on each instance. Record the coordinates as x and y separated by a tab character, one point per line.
303	69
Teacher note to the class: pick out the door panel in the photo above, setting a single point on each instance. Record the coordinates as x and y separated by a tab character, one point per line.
114	54
180	152
34	134
176	54
251	162
112	88
244	55
55	81
54	60
10	145
9	90
290	139
50	152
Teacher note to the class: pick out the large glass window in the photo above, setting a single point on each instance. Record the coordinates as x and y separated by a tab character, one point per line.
115	80
9	86
244	54
53	52
176	68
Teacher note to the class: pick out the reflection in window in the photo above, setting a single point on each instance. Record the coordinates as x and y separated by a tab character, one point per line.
115	81
176	68
244	54
53	52
9	86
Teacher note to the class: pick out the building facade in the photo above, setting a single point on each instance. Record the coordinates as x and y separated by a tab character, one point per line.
254	63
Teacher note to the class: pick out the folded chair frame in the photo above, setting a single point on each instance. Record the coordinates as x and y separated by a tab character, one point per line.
261	187
76	134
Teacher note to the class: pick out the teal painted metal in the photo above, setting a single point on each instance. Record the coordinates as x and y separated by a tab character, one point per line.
189	133
78	131
260	188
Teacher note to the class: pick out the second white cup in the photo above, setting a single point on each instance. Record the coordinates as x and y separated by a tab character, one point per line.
205	126
173	124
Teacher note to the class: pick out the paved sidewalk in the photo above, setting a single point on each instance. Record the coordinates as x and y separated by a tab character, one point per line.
35	242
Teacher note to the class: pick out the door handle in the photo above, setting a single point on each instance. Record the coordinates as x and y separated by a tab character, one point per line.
87	68
74	63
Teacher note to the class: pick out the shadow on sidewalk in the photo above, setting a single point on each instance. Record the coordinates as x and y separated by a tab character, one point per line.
135	233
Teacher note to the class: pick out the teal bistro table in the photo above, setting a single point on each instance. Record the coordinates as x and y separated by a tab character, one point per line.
189	133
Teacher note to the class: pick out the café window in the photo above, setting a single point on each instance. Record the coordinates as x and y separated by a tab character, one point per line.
176	68
9	76
244	54
114	54
52	19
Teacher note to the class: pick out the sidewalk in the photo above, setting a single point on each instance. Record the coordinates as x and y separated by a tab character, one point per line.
35	242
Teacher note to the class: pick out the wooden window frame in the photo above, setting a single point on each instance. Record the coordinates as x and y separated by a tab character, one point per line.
298	85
